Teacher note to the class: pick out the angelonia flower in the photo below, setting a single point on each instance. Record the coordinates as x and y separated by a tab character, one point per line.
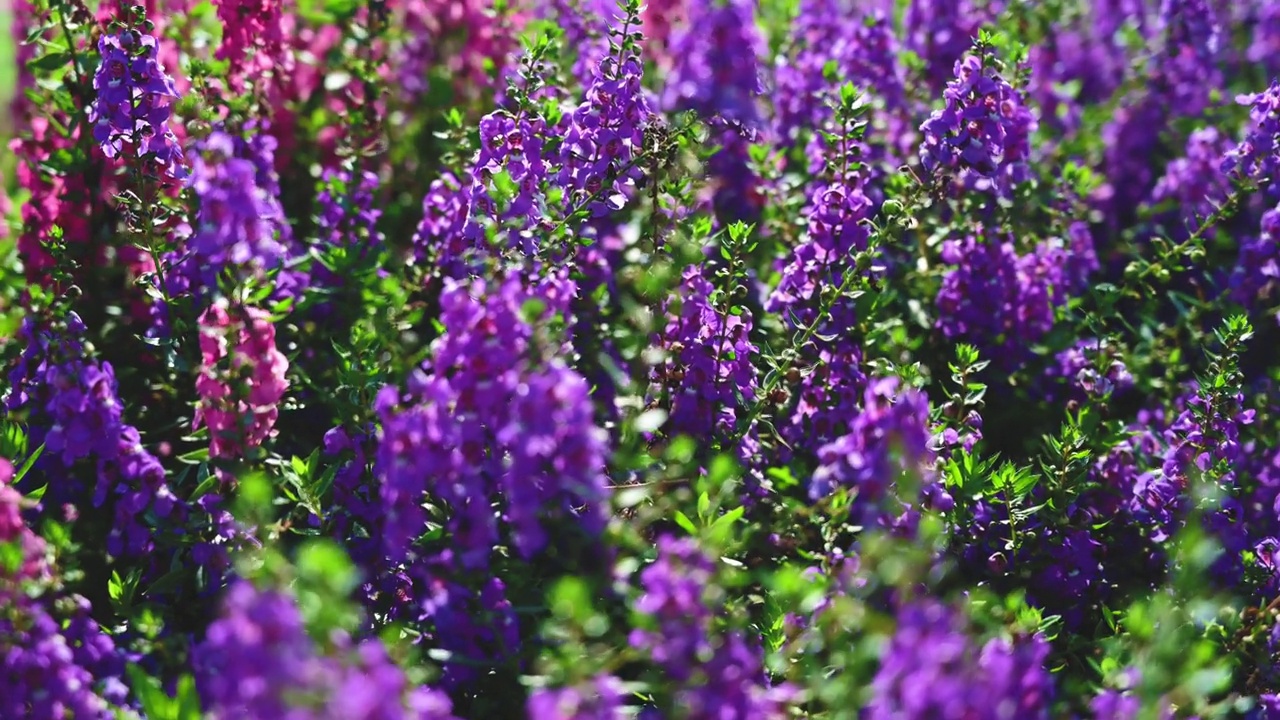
241	381
709	373
859	47
1257	157
1191	25
346	217
940	32
585	24
1089	369
717	67
253	40
131	110
240	223
57	662
981	137
715	674
465	37
515	146
1004	302
72	404
439	241
481	423
933	668
888	442
837	230
603	137
1194	184
1256	276
600	698
659	19
257	660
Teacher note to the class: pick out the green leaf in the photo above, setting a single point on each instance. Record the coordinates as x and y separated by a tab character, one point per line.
195	457
683	521
156	705
49	62
26	467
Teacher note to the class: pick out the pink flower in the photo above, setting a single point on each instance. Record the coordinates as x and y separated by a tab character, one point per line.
242	378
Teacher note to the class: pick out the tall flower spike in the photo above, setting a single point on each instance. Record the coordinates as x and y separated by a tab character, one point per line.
931	649
242	379
131	111
981	137
482	423
709	374
603	137
717	70
240	223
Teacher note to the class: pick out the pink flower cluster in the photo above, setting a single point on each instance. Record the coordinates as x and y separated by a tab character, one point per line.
14	530
242	378
253	39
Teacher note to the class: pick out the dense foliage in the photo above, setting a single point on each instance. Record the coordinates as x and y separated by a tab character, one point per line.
697	359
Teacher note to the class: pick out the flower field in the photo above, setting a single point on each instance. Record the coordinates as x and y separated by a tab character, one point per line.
603	359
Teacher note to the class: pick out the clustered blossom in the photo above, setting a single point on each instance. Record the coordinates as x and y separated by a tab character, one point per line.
888	440
837	230
347	215
439	241
253	38
659	18
482	423
1256	276
603	137
602	698
346	218
716	674
981	137
1004	302
717	66
932	668
131	111
1257	157
72	404
258	661
942	31
464	37
1193	184
709	374
514	145
241	381
1090	368
52	666
585	24
240	223
859	47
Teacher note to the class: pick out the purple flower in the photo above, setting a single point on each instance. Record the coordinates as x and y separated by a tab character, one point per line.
440	241
483	422
715	675
601	698
981	137
932	668
130	113
860	46
888	438
717	71
1004	302
709	374
240	223
257	661
940	32
602	139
